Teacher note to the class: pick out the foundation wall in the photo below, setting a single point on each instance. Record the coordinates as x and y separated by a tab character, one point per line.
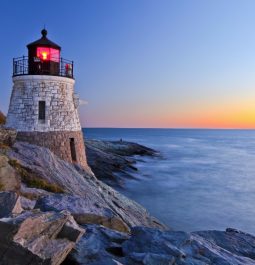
59	144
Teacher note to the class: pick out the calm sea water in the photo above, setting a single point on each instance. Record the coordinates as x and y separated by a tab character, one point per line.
205	180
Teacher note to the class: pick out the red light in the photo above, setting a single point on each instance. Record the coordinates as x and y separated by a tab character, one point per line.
48	54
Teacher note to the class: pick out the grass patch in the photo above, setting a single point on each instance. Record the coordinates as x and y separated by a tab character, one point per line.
33	181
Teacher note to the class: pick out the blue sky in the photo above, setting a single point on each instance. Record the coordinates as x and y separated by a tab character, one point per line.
145	63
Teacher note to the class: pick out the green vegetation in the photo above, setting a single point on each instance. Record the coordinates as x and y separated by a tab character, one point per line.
2	118
33	181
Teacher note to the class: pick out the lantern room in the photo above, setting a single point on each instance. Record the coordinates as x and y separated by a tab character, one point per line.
43	59
43	56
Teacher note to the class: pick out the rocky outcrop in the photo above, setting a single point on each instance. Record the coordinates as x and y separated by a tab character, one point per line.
112	161
84	211
98	197
34	238
7	136
9	179
118	231
146	246
99	246
122	148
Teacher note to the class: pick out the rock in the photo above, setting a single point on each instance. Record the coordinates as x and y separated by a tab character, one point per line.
122	148
9	180
150	259
234	241
34	238
71	230
26	203
33	193
84	211
150	246
107	158
7	136
99	246
9	204
44	164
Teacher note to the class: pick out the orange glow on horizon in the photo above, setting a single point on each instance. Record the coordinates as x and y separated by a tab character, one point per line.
223	117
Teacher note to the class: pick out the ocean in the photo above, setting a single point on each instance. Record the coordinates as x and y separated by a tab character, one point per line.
203	180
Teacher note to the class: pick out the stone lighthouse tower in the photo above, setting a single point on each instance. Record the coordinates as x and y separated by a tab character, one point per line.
43	105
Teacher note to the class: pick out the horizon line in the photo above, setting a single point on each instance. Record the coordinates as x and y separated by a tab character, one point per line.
170	128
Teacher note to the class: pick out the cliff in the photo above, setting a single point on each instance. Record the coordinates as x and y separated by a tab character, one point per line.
52	213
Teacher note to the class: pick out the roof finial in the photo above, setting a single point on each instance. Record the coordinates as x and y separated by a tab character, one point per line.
44	32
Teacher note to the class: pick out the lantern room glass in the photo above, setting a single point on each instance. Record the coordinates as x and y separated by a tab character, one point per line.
48	54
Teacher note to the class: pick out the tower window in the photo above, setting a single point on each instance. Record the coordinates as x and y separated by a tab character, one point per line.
73	151
42	110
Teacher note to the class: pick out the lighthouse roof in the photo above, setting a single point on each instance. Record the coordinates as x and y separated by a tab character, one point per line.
44	41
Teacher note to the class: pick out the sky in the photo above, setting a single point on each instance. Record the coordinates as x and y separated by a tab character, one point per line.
145	63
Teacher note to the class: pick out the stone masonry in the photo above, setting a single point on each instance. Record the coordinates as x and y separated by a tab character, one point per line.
59	143
61	104
61	123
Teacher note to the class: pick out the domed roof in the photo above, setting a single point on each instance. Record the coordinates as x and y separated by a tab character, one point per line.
44	41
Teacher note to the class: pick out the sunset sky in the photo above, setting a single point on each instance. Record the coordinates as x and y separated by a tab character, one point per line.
145	63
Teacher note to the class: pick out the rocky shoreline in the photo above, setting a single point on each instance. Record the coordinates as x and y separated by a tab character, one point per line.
114	161
52	213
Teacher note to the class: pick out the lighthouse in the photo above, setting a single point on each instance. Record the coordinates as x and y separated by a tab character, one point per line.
43	106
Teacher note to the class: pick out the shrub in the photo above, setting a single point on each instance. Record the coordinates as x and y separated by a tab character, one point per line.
2	118
32	180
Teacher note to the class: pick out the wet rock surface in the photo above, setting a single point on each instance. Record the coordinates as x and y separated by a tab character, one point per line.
114	161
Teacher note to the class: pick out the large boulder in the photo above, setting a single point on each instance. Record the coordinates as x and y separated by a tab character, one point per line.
99	246
9	204
83	210
7	136
35	238
9	179
43	163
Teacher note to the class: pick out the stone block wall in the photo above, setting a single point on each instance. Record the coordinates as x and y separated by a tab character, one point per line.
60	100
58	143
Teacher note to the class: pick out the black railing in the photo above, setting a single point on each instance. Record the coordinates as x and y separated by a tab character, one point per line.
58	67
